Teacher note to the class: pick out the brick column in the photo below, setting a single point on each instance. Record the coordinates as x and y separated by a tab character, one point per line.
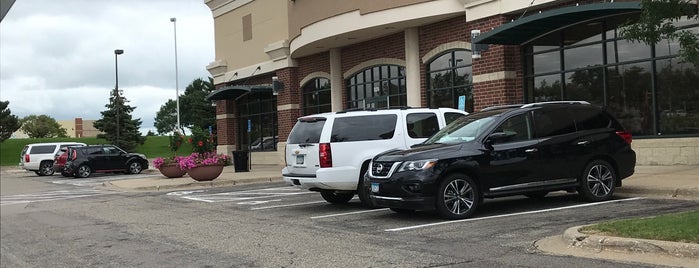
288	102
226	126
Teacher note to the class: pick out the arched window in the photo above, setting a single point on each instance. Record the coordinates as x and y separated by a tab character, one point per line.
316	96
449	77
380	86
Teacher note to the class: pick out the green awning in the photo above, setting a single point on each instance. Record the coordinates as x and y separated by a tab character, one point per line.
235	91
529	28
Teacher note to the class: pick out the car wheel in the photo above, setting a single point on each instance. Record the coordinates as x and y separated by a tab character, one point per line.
66	174
38	173
335	197
402	210
598	181
363	190
457	197
537	195
135	167
46	168
83	171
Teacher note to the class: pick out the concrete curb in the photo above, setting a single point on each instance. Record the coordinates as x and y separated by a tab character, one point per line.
192	185
692	193
633	245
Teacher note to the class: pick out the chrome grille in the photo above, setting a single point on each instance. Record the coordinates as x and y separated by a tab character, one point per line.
381	169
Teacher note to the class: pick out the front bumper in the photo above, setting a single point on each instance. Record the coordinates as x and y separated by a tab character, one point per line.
412	190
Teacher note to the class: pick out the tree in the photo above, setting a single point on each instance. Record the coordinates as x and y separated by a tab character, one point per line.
117	111
9	123
42	126
195	110
656	24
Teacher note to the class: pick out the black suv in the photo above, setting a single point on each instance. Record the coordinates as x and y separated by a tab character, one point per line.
83	161
529	149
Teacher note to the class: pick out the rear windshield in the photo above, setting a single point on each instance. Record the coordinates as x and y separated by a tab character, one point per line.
24	151
42	149
364	128
306	130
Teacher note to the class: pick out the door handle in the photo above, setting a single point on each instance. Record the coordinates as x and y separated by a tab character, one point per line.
583	142
532	150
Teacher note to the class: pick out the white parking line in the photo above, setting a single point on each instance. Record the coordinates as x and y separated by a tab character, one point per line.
508	215
288	205
349	213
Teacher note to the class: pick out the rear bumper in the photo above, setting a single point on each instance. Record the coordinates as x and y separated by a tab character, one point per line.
337	178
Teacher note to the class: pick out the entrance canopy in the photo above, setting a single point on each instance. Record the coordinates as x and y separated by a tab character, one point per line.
235	91
529	28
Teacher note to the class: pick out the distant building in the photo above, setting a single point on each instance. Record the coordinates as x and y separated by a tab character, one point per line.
75	128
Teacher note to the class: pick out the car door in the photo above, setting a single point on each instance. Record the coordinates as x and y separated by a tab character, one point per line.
419	126
96	158
512	162
302	148
115	159
555	130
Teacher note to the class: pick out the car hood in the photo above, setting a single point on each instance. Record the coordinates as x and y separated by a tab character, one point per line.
136	154
432	151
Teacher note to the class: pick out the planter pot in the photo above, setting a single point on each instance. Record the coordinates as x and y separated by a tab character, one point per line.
205	173
172	171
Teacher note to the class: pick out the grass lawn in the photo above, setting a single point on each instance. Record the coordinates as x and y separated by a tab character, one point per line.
155	146
677	227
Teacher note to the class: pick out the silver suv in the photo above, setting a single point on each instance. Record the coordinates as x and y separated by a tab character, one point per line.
38	157
330	152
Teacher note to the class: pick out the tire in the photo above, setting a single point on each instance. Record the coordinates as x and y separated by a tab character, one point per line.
134	168
66	174
83	171
402	210
363	190
38	173
46	168
335	197
457	197
598	181
537	195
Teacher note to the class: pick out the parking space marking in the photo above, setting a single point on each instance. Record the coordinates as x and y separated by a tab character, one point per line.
243	197
49	196
511	214
288	205
349	213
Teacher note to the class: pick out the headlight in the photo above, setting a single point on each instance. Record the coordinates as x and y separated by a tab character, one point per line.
417	165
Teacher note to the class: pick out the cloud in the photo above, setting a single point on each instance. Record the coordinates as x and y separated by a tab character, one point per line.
57	57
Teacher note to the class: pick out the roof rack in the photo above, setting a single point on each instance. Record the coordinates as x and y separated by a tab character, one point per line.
375	109
501	107
553	102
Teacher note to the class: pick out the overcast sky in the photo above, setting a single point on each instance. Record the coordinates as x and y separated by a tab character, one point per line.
57	57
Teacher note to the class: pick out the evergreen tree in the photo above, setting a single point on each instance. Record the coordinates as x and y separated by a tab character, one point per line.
195	110
166	118
42	126
128	136
9	123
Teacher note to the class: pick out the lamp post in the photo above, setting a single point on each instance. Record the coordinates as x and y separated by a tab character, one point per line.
177	89
117	52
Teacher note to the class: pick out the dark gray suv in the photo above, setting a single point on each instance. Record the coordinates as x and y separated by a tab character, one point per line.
530	149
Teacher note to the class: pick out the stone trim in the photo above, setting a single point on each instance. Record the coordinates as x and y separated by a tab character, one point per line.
494	76
224	116
288	107
445	47
373	62
314	75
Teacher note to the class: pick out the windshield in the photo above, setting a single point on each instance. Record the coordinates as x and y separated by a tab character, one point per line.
464	129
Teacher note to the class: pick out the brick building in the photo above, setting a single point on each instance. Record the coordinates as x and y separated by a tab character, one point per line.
336	55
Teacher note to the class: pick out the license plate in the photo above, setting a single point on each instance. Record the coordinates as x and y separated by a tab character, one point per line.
299	159
374	187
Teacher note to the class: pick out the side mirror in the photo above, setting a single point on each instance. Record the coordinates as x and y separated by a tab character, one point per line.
498	137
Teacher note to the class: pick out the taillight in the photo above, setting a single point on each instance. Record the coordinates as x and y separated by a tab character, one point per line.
26	158
625	135
73	154
325	155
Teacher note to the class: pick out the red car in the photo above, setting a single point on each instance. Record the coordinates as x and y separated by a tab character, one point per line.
59	162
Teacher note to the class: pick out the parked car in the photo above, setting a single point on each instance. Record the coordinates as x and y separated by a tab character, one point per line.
530	149
83	161
330	152
59	161
38	157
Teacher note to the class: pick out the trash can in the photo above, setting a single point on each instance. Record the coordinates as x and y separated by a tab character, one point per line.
241	161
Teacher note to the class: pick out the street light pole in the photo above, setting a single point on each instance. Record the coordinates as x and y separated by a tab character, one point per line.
177	86
117	52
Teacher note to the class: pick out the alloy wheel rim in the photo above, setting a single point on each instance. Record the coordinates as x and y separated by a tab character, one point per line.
46	170
84	171
599	180
458	197
135	168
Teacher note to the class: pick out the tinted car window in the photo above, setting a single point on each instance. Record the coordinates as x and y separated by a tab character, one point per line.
93	150
450	117
422	125
465	129
518	126
42	149
363	128
553	122
586	119
306	130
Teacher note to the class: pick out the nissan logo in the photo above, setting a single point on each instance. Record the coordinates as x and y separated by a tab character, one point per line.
379	167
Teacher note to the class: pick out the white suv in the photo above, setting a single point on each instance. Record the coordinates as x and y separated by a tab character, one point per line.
330	152
38	157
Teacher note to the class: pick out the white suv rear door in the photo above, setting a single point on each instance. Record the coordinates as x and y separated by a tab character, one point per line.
302	147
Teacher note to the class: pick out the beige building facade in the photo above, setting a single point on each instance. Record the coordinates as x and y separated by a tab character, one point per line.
277	60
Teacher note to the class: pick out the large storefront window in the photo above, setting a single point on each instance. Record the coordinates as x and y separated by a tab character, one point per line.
449	77
257	122
645	87
380	86
316	96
